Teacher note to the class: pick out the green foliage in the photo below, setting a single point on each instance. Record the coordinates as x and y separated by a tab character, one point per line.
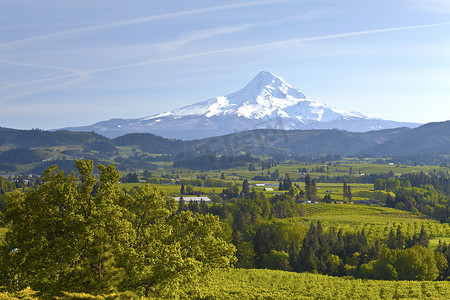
284	206
193	182
25	294
416	263
88	236
6	186
214	182
326	251
442	256
166	252
130	178
275	260
378	195
158	180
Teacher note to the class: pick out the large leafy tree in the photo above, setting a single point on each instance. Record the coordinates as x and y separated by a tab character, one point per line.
60	235
87	235
416	263
166	251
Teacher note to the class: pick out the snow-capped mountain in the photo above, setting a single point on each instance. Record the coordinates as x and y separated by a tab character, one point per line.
268	101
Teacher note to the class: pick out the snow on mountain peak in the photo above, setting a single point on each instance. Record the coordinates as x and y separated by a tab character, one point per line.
267	86
266	96
267	101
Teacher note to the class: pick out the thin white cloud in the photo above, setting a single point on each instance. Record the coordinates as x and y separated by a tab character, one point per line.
72	72
139	20
231	50
435	6
270	45
78	74
198	35
46	88
194	36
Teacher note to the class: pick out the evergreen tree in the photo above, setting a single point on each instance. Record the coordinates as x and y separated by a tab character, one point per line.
390	201
400	239
391	242
423	237
349	193
308	186
313	187
287	183
245	188
327	198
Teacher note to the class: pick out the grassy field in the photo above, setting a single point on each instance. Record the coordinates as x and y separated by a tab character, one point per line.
335	189
270	284
376	221
332	170
435	242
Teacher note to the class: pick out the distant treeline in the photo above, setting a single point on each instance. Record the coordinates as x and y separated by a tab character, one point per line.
213	162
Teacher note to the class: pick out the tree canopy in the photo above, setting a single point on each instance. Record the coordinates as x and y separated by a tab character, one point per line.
87	235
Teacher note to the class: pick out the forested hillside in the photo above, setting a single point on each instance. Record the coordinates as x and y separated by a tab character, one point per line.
28	149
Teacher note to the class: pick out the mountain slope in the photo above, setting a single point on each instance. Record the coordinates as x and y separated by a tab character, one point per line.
14	138
283	142
21	147
431	138
267	102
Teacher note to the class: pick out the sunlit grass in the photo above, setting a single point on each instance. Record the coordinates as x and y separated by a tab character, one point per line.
272	284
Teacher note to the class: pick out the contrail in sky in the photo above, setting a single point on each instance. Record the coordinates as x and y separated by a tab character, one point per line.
80	74
74	72
269	45
140	20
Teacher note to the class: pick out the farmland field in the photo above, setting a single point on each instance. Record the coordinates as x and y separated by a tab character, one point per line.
270	284
376	221
342	168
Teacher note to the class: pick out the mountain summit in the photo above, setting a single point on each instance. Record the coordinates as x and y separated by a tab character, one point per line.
266	97
268	101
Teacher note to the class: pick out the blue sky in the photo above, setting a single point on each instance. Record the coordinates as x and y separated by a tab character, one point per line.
73	63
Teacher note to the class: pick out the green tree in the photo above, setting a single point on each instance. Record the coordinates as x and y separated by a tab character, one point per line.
182	189
416	263
189	189
347	192
287	183
87	235
167	253
293	191
308	186
378	184
60	234
275	175
276	260
245	188
327	198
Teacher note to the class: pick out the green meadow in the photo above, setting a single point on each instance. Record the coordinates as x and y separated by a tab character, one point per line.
272	284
